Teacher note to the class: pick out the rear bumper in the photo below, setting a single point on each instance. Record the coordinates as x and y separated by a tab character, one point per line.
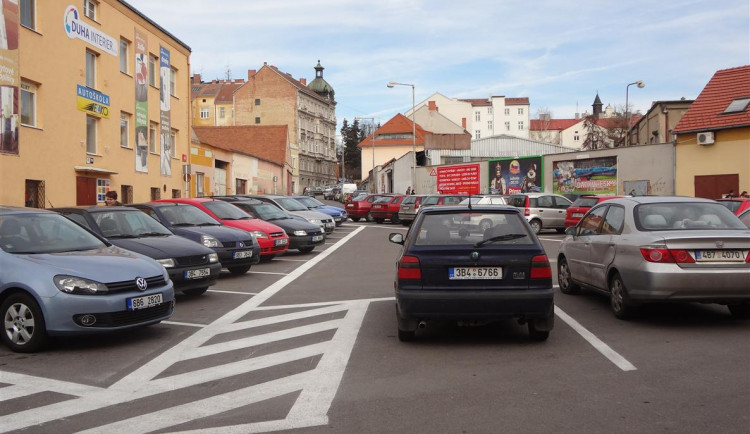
457	305
386	215
668	282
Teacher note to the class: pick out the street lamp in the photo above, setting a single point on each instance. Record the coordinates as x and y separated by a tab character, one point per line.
640	85
413	134
372	132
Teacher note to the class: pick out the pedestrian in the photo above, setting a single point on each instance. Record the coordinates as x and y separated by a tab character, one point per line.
632	192
744	194
110	199
408	190
729	195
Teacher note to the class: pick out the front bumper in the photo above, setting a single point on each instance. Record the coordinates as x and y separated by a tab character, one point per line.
301	242
475	305
181	283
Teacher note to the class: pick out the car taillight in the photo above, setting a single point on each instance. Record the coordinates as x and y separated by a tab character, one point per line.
409	268
663	255
526	212
540	268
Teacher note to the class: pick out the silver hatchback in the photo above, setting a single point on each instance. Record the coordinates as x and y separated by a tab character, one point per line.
542	210
659	249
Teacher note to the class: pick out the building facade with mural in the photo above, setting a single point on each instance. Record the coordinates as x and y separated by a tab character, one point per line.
100	102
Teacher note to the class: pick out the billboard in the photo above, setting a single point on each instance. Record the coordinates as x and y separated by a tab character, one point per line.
587	176
515	175
141	102
462	179
164	96
10	81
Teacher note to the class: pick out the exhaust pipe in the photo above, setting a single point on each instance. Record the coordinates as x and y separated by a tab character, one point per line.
422	324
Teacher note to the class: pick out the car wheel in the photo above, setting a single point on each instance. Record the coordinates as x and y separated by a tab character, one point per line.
23	330
354	219
379	221
406	336
307	249
395	220
536	225
618	298
560	230
535	334
239	270
406	328
740	310
565	279
369	217
195	291
405	223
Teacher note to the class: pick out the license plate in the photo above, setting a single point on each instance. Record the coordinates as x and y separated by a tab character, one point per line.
406	208
144	302
317	238
242	255
350	205
377	206
578	214
720	256
280	242
197	274
463	273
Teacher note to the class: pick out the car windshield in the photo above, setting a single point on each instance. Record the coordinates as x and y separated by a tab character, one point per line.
685	216
290	204
125	223
44	233
226	211
309	202
473	228
586	202
382	199
187	215
358	197
266	211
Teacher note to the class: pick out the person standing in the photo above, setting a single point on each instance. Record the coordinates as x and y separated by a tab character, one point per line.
110	199
408	190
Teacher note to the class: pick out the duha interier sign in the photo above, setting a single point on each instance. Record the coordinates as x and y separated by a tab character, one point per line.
463	179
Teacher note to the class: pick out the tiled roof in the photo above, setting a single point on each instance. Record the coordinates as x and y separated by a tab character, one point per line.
227	90
516	101
706	113
398	124
298	84
477	101
266	142
552	124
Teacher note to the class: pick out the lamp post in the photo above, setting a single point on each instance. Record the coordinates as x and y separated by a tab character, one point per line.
413	133
640	85
372	133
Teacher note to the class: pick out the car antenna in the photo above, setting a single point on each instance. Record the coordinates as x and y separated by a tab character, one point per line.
469	201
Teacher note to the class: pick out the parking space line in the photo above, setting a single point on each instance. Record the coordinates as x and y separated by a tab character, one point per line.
266	272
291	260
186	324
551	239
595	342
231	292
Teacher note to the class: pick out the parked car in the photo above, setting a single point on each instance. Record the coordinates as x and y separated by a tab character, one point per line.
236	248
303	235
57	278
359	206
355	195
386	208
314	190
486	199
191	266
542	210
293	207
580	207
448	272
339	215
442	199
272	239
409	208
736	204
658	249
745	217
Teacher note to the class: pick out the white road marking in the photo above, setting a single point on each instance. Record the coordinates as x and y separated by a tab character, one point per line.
267	272
291	260
232	292
551	239
186	324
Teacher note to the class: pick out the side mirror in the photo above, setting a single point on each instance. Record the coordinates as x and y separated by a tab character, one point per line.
396	238
571	230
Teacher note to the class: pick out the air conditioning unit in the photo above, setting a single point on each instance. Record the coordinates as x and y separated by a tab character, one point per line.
705	139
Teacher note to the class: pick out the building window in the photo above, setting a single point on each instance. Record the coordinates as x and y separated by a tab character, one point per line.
222	112
489	125
257	120
489	110
152	137
35	194
125	129
576	138
520	125
89	8
204	113
102	187
91	122
124	45
507	112
176	194
520	111
257	101
240	186
155	193
477	116
507	126
172	80
126	193
152	61
28	104
28	13
199	184
173	139
91	69
477	134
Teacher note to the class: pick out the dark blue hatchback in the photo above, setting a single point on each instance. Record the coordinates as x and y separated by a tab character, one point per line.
472	263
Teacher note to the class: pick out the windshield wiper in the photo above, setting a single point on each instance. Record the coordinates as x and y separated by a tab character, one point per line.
182	224
208	224
122	236
153	234
506	237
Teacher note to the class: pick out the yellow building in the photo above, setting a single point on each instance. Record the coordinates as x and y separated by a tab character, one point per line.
212	102
104	105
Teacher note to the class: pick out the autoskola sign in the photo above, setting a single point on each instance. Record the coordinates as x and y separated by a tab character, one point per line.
92	102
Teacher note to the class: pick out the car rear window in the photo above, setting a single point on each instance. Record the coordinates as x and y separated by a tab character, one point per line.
585	202
471	227
409	200
517	201
685	216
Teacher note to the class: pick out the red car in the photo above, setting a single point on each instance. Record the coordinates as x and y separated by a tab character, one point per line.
736	204
386	208
271	238
358	209
581	206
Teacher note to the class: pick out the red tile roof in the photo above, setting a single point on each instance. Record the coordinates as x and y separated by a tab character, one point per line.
225	95
552	124
706	112
398	124
477	101
266	142
516	101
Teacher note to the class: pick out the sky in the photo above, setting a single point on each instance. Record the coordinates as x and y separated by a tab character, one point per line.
559	54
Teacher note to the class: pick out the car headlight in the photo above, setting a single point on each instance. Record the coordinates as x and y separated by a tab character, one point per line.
209	241
259	234
167	263
79	285
300	233
314	221
213	258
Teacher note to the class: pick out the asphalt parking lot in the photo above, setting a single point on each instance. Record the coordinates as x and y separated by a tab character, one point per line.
307	343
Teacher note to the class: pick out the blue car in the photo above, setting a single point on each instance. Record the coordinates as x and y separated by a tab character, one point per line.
57	278
339	214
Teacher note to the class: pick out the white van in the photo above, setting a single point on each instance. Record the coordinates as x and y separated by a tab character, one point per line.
348	188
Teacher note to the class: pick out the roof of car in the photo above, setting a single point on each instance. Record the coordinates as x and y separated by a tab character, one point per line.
464	208
660	199
7	209
95	208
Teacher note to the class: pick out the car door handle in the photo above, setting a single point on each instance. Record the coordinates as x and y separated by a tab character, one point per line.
611	244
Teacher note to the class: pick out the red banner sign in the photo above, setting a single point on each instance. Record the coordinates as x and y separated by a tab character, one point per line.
458	179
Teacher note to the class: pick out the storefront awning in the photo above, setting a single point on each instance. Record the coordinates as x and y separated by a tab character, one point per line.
94	170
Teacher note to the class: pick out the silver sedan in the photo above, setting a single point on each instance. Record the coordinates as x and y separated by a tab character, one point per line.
653	249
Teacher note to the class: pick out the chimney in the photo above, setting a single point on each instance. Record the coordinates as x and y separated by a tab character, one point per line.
250	74
432	106
463	123
196	79
303	81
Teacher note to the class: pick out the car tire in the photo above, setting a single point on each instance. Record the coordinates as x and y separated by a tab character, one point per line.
406	335
354	219
379	221
24	328
395	220
267	258
406	328
618	298
195	291
536	334
536	226
565	279
740	310
405	222
239	270
560	230
307	249
369	218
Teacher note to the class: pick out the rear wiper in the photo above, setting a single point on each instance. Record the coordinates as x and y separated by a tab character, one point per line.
506	237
